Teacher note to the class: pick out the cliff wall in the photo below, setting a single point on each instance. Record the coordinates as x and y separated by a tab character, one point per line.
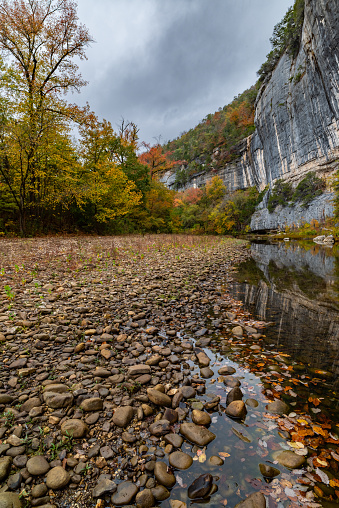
297	113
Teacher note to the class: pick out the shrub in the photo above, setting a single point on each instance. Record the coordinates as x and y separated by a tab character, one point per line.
282	193
310	187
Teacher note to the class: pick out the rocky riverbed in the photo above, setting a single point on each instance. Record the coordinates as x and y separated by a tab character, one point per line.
127	378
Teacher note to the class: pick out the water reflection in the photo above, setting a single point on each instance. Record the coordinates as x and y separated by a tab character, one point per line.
296	286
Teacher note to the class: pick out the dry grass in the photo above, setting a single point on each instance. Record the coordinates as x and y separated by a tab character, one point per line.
34	253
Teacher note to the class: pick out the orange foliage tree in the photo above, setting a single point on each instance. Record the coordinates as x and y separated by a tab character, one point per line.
157	160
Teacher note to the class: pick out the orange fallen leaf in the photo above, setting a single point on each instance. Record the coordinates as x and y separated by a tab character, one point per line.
334	482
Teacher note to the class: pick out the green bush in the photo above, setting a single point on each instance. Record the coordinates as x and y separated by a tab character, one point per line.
310	187
282	193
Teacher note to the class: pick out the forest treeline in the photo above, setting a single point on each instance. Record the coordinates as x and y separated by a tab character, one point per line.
63	169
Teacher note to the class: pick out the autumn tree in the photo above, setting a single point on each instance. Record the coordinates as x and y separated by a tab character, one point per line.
39	40
105	186
156	159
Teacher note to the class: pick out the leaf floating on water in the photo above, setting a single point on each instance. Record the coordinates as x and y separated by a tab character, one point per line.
202	458
214	419
324	478
241	436
296	444
179	480
334	482
224	455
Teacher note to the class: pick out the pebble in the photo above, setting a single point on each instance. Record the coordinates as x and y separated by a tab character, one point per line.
201	486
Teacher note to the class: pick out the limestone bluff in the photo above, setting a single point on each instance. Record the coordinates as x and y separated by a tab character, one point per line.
296	119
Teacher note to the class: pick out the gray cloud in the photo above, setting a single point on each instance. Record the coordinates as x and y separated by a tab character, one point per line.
166	64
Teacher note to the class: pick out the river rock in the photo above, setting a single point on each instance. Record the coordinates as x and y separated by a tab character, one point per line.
226	370
196	433
104	486
171	415
122	416
234	394
203	359
5	399
10	500
290	459
37	465
39	490
58	400
237	331
145	499
256	500
201	487
279	407
160	427
74	428
206	372
162	476
94	404
215	461
236	409
188	392
180	460
251	403
158	398
174	439
160	493
138	370
5	467
57	478
124	494
268	471
200	417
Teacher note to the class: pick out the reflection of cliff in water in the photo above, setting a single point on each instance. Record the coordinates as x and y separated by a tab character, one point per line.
297	289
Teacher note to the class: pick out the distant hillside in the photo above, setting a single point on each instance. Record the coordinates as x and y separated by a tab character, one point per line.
223	129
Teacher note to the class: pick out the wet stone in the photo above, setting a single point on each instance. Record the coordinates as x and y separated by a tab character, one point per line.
162	476
14	481
234	394
278	407
290	459
226	370
160	493
200	417
174	439
196	434
158	398
39	490
268	471
236	409
188	392
145	499
256	500
180	460
201	487
160	428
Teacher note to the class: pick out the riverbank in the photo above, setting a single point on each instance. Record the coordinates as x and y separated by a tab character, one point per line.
122	360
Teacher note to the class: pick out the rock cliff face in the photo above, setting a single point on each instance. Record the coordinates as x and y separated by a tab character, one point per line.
297	111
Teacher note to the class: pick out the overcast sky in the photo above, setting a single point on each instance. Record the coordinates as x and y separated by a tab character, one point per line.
166	64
